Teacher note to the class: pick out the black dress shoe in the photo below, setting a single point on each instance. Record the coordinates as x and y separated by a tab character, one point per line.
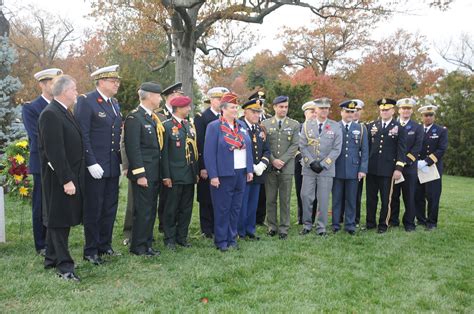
322	234
70	276
283	236
410	229
152	252
110	252
208	235
380	231
351	232
184	244
335	230
304	231
252	237
171	246
94	259
271	233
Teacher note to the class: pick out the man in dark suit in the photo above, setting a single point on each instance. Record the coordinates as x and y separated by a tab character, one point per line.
31	112
246	227
98	114
387	154
435	143
179	172
206	211
62	172
144	140
414	140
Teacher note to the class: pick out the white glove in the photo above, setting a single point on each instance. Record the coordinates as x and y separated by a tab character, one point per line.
259	168
96	171
421	164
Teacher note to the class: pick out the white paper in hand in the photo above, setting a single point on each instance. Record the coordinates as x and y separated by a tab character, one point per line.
430	175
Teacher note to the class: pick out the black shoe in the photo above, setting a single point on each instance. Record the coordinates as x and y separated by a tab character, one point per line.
252	237
411	229
430	227
70	276
351	232
171	246
335	230
322	234
283	236
271	233
208	235
304	231
380	231
94	259
184	244
41	252
151	252
110	252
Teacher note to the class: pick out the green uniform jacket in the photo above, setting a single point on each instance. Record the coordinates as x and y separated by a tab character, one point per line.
179	154
142	147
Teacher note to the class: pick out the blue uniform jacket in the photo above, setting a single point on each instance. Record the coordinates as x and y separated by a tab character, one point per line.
260	149
101	130
31	112
354	157
218	158
414	139
435	142
201	121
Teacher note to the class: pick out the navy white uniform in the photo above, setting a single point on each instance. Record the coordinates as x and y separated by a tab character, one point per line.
353	159
435	143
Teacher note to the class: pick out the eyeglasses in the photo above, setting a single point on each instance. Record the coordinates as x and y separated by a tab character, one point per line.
113	81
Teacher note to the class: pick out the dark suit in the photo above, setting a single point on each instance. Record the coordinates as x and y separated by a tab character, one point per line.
101	124
164	115
206	211
144	154
62	160
435	143
30	113
414	140
387	153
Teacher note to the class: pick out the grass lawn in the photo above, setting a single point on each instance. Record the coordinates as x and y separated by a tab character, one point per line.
394	272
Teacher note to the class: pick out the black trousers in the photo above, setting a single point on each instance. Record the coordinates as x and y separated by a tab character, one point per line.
427	201
161	207
178	211
127	224
57	254
144	216
407	188
99	214
39	230
375	185
206	210
262	206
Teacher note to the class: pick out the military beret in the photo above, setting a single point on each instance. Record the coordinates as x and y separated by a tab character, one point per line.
180	101
229	98
428	109
258	94
106	72
47	74
359	103
323	102
175	88
151	87
406	102
254	104
280	99
386	103
217	92
308	105
349	105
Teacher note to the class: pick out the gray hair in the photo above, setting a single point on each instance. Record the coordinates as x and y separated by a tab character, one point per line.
143	94
224	105
61	83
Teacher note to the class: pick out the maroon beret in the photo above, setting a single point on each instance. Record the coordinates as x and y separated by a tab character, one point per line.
180	101
229	98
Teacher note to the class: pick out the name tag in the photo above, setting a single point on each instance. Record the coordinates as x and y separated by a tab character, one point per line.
411	132
356	132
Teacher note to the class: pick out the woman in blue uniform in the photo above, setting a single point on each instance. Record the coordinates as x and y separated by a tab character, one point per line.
229	163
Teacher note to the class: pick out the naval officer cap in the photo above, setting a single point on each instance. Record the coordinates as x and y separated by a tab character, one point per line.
217	92
348	105
151	87
280	99
308	105
258	94
254	104
359	104
428	109
323	102
386	103
406	103
47	74
111	71
174	88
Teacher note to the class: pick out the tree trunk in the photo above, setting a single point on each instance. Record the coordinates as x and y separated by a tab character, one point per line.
184	69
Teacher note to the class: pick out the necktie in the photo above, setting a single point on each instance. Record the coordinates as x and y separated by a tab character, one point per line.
347	128
320	129
384	125
109	102
426	130
253	128
279	124
159	129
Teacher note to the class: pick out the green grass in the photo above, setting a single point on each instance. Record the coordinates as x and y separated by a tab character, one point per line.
395	272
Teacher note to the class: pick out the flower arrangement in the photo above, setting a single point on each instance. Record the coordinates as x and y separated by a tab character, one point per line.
15	169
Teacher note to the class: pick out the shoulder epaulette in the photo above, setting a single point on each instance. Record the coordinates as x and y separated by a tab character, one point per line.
83	95
199	114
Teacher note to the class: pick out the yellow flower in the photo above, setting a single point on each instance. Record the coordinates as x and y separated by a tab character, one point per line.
22	144
23	191
17	178
19	159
